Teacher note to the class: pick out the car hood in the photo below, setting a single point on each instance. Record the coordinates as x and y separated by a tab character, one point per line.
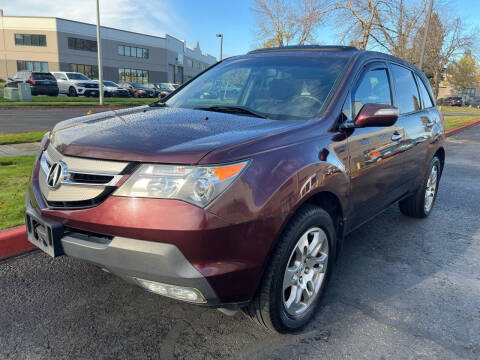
161	135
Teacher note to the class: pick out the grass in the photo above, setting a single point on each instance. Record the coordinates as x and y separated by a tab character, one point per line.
452	122
19	138
2	83
459	109
44	100
14	178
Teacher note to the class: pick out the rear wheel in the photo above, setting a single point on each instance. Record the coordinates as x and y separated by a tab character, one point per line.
298	272
420	204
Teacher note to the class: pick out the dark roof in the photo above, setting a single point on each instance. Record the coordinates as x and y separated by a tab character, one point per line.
332	48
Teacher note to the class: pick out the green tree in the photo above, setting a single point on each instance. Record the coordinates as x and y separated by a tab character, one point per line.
464	73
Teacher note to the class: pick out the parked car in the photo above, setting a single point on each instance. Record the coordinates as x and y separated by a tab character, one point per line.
453	101
164	89
474	102
112	89
41	83
138	90
245	202
75	84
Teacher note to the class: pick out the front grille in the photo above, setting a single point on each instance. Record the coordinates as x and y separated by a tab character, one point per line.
91	86
80	182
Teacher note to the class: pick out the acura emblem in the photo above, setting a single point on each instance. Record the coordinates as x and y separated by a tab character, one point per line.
56	174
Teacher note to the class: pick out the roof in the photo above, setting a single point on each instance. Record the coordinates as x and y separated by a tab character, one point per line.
331	48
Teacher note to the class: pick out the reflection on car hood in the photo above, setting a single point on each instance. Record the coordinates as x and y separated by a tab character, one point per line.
149	134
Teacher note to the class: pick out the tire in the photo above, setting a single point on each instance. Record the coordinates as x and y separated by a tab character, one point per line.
269	307
72	92
417	204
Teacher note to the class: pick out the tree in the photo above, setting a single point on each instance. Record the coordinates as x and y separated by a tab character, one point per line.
464	73
283	22
359	18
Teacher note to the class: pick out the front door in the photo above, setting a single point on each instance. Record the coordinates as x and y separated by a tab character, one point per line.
375	162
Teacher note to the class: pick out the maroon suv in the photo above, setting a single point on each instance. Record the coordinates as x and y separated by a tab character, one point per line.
242	200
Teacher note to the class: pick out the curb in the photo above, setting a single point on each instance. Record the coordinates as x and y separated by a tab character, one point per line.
14	242
453	131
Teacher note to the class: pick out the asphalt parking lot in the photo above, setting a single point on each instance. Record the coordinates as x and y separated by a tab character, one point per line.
403	289
22	120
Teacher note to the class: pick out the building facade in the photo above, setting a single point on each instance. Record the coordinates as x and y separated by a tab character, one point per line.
55	44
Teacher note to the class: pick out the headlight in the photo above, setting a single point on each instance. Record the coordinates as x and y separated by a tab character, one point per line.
198	185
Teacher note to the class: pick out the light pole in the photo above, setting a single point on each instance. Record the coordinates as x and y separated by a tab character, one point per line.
99	53
427	27
221	45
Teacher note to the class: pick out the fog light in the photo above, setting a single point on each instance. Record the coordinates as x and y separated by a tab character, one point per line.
176	292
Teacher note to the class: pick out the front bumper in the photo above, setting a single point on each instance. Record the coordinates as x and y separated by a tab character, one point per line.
133	259
87	91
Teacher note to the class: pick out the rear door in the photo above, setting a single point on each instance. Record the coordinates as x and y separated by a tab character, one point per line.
375	164
417	116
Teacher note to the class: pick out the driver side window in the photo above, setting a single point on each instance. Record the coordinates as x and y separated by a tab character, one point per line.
374	88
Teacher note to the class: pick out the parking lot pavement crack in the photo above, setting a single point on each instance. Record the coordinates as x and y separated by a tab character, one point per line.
462	351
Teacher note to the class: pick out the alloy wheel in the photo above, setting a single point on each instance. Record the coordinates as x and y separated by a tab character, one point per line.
305	272
431	189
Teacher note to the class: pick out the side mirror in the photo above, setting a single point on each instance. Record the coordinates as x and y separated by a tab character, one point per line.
10	79
376	115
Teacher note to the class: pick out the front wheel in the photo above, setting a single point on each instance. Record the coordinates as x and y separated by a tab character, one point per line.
420	204
72	92
298	272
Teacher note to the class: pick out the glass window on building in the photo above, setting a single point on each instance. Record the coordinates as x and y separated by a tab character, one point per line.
180	58
41	66
133	75
189	62
90	71
82	44
30	40
124	50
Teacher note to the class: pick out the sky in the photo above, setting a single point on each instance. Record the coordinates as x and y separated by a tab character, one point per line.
189	20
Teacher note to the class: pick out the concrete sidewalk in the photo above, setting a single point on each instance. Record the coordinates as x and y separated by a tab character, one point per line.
19	149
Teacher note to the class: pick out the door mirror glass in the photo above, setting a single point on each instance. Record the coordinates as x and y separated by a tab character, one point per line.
376	115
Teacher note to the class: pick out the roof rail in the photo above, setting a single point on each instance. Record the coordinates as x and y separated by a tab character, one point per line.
306	48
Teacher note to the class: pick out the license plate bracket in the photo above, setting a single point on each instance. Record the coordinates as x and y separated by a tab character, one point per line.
44	234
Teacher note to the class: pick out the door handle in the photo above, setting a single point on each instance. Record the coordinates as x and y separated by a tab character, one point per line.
396	136
430	123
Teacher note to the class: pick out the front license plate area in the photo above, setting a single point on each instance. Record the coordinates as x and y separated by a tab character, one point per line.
44	235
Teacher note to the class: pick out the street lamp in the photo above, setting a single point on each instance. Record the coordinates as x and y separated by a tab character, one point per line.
221	45
99	51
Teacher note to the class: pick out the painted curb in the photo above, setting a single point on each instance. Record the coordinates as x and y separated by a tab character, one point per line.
14	242
453	131
79	107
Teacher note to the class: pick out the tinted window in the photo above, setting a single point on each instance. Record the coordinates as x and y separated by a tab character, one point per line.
407	92
76	76
374	88
82	44
43	76
426	99
280	87
30	39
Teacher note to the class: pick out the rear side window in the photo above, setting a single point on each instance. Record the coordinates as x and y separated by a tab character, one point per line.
43	76
408	99
374	88
426	99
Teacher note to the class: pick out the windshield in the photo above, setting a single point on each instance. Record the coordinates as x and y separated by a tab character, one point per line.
136	85
110	84
278	87
167	86
76	76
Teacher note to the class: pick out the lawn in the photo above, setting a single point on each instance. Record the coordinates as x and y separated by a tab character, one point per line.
44	100
14	178
19	138
459	109
452	122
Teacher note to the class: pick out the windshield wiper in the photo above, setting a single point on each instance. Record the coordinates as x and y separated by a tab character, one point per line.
232	110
